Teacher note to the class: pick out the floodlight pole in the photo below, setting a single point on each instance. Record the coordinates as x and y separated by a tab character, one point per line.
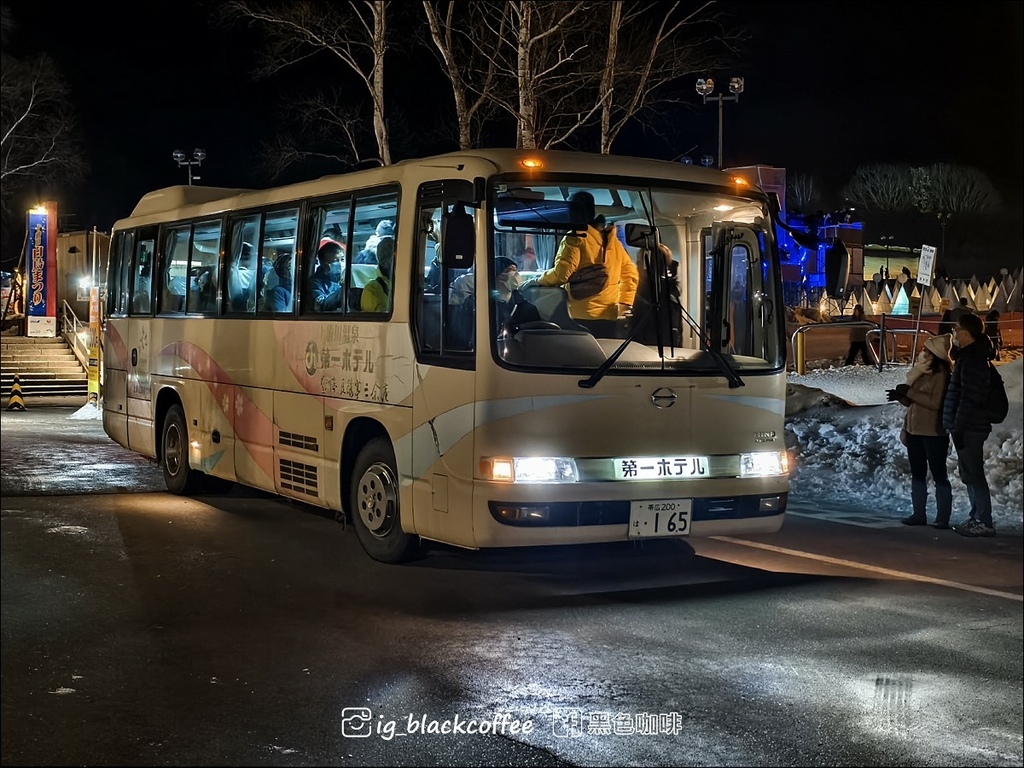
705	87
198	155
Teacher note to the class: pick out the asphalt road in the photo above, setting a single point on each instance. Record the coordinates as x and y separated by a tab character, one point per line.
140	628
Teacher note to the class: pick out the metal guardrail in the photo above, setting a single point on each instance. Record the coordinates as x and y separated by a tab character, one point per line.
75	333
891	334
882	354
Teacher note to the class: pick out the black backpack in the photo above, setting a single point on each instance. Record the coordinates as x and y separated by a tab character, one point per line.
998	404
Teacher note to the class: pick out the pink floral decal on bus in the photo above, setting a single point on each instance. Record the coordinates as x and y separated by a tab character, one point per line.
117	350
252	427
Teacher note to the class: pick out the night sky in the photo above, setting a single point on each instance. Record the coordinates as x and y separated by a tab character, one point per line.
829	86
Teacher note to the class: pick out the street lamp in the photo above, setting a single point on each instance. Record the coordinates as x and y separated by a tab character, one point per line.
944	217
705	87
198	155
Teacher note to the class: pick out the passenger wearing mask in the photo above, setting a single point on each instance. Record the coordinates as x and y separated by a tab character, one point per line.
325	282
463	296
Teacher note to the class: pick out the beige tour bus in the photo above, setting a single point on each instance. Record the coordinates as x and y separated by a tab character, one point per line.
412	346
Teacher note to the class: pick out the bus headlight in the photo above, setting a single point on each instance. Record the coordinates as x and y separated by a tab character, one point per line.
530	469
764	464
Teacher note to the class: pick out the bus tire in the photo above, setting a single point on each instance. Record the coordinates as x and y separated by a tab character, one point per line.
374	502
179	477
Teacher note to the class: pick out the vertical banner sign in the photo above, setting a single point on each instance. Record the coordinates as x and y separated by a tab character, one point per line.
926	265
41	297
94	345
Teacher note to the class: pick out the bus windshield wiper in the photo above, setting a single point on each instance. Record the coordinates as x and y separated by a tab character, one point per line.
602	369
723	365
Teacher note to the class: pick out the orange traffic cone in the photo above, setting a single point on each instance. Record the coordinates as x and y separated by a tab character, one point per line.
16	403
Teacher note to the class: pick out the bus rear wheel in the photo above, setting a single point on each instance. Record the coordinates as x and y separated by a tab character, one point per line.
179	477
374	502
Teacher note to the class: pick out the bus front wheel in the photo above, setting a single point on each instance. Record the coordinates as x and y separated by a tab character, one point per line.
374	502
179	477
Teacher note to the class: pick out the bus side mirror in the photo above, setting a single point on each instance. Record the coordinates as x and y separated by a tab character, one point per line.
639	235
458	238
837	269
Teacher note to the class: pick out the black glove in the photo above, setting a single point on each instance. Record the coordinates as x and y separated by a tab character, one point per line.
902	389
891	395
958	439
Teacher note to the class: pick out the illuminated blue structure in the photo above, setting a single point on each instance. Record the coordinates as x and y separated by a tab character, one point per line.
805	271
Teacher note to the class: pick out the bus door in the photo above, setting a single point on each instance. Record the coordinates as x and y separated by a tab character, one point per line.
141	430
732	281
115	354
444	333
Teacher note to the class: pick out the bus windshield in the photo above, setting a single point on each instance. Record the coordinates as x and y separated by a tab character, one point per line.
688	280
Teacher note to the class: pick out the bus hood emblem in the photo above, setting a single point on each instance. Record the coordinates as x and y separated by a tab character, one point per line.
663	397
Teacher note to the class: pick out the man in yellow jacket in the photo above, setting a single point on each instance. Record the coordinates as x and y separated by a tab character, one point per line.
593	246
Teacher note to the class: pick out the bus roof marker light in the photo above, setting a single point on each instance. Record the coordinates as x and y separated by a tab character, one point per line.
531	163
740	182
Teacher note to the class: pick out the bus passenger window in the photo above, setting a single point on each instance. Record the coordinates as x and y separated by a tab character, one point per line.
325	280
242	280
372	269
204	268
279	297
141	304
174	274
241	264
277	266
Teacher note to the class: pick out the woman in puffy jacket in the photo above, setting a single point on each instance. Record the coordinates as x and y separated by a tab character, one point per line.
926	440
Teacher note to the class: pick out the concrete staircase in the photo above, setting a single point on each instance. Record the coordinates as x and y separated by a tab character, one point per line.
47	370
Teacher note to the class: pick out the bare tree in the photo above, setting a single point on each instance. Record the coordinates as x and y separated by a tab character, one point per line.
323	122
456	30
353	33
538	62
881	187
569	71
651	45
802	192
946	188
38	135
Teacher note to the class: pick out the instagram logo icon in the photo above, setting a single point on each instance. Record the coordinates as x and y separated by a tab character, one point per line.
356	722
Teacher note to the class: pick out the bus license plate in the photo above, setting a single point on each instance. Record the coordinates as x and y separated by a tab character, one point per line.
669	517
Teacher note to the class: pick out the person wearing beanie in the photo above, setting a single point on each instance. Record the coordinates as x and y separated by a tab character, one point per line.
923	435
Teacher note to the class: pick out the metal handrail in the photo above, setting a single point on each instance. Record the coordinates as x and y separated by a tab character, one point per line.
885	350
845	324
76	333
875	331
